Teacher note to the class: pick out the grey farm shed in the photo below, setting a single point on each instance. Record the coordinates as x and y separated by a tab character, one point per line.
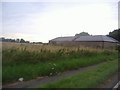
95	41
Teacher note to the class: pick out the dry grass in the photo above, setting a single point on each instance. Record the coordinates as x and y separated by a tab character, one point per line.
39	47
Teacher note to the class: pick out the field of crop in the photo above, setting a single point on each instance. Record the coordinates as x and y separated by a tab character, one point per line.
32	60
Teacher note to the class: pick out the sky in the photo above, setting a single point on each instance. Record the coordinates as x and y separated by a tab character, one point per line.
43	20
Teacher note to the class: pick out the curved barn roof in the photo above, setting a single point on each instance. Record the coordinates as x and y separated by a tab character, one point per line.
96	38
86	38
63	39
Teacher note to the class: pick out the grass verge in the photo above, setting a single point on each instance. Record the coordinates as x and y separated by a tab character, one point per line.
11	73
88	79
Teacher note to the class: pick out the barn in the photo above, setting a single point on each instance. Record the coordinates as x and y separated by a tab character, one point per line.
95	41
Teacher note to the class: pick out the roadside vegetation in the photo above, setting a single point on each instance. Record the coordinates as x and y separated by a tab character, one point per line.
30	61
88	79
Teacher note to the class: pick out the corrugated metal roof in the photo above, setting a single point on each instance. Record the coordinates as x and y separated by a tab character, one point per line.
95	38
63	39
86	38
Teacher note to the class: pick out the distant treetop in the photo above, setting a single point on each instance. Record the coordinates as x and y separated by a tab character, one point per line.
82	34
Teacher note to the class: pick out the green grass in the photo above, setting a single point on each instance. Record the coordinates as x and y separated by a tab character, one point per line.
22	63
11	73
88	79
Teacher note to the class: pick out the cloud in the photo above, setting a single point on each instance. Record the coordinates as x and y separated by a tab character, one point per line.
61	19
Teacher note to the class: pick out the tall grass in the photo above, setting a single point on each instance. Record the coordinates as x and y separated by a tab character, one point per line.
29	71
16	56
30	61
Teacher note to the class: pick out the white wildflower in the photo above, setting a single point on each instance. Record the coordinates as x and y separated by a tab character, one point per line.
54	64
52	68
20	79
50	73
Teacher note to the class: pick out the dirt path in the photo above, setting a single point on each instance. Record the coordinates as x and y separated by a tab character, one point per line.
37	82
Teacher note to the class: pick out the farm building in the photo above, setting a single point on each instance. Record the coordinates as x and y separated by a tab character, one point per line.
95	41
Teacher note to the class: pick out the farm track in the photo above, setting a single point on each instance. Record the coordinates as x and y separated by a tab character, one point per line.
43	80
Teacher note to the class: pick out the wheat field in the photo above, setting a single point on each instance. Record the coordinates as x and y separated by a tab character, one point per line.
38	47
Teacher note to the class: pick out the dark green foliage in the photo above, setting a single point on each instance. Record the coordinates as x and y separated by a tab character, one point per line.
115	34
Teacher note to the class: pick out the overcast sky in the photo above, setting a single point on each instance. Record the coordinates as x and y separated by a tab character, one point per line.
42	20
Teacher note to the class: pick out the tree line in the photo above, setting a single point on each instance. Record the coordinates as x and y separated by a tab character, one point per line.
17	40
14	40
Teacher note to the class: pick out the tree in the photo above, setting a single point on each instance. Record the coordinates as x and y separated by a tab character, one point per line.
22	41
17	40
115	34
82	34
12	40
2	39
27	42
